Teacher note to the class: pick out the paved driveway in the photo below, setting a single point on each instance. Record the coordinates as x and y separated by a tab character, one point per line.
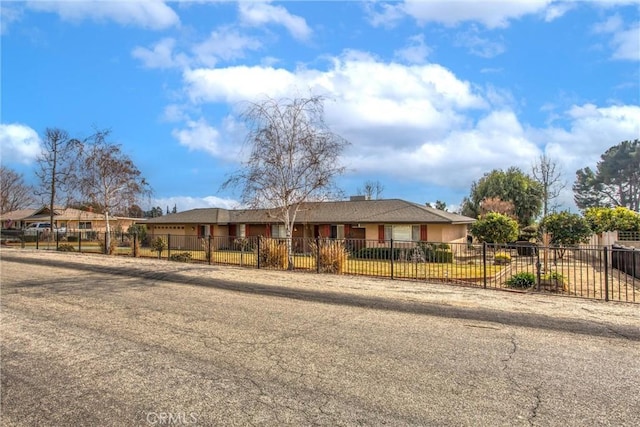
129	342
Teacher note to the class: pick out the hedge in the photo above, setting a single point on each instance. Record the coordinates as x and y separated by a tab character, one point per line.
430	255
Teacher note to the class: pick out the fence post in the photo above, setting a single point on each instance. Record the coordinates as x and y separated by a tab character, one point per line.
209	253
538	270
484	264
57	239
317	254
168	246
606	274
79	241
391	256
37	239
135	244
258	253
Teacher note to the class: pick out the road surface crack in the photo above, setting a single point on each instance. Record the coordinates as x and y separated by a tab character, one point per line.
536	406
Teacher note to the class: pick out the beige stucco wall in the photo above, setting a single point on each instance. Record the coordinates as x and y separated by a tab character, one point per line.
447	233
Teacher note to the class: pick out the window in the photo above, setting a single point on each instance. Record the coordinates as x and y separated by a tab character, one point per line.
337	232
415	233
277	231
406	233
84	225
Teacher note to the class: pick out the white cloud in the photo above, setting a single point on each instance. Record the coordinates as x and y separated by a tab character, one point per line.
492	14
199	135
383	14
152	14
258	13
626	44
625	40
433	128
610	25
591	131
233	84
160	55
224	44
415	52
479	46
18	144
8	15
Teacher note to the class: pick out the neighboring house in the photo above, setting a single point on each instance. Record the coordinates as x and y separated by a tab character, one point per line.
73	220
15	220
376	221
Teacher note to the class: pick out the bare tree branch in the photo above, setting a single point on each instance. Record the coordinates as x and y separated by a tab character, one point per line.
14	193
294	158
548	174
109	178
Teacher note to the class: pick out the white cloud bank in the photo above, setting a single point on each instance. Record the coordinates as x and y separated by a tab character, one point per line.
18	144
421	123
151	14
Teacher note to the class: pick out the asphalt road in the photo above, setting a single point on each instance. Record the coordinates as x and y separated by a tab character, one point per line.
89	345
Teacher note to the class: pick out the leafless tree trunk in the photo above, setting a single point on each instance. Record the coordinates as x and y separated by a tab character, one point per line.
57	166
110	179
549	175
14	193
294	158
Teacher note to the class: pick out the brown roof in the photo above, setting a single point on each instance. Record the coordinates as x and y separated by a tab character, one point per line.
358	211
17	215
60	214
193	216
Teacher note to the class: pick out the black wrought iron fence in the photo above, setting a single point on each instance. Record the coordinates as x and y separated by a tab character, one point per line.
587	271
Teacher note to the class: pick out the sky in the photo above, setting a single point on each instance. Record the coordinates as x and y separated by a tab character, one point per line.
431	95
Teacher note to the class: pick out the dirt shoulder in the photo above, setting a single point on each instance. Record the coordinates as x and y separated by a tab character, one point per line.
526	309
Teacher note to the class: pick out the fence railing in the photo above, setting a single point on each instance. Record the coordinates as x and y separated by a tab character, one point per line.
607	273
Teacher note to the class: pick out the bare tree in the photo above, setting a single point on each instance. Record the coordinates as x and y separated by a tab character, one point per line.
109	178
294	158
57	166
371	190
14	193
549	175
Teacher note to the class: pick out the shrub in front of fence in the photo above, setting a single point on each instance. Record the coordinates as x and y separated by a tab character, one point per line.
522	280
181	257
113	244
273	253
159	244
66	248
502	258
331	255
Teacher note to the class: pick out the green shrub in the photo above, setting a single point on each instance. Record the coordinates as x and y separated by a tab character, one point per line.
331	255
66	248
377	253
273	253
502	258
181	257
522	280
159	244
433	252
440	256
139	230
555	276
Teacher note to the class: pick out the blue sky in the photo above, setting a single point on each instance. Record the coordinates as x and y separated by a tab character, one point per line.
431	94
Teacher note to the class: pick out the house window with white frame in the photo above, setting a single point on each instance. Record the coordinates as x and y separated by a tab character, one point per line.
404	233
